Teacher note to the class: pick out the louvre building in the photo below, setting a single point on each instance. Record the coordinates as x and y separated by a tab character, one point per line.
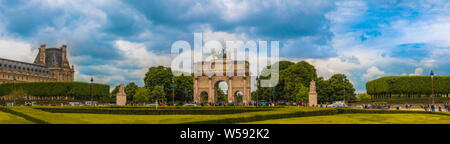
51	64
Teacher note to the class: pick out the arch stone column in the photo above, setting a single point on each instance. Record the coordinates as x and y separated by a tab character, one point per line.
196	94
210	93
230	90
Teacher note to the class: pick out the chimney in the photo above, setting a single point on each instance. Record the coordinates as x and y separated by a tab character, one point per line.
42	55
65	62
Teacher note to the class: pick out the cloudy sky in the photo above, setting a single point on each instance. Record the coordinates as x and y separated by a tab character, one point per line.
117	40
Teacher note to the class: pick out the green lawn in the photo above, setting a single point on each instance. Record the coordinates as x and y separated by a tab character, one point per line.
6	118
85	118
285	115
364	119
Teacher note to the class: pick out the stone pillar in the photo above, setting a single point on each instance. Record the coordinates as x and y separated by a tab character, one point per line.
210	93
196	96
121	97
230	91
245	96
312	94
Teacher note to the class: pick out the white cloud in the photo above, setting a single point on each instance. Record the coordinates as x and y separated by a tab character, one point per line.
417	72
17	50
372	72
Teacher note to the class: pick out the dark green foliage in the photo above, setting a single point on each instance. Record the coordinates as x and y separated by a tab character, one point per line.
294	82
294	79
333	89
221	96
408	87
162	76
130	90
78	90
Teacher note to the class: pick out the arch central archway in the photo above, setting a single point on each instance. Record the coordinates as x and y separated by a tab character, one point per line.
221	91
238	96
204	97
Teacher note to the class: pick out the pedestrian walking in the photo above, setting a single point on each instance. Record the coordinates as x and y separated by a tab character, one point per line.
432	108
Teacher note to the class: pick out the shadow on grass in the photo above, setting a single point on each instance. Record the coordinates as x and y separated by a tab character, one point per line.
308	114
25	116
262	117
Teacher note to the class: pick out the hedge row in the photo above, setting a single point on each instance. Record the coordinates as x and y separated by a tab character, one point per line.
78	90
385	111
148	111
438	100
187	107
408	86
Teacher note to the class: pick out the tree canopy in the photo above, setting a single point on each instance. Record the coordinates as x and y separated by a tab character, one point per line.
294	82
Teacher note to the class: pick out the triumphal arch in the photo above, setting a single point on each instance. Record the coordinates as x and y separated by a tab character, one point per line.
208	75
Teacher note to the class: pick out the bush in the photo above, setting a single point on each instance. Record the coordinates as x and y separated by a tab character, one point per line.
78	90
407	86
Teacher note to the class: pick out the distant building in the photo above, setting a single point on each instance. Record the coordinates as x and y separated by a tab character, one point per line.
51	64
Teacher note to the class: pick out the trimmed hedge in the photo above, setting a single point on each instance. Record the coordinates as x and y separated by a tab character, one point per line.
151	111
78	90
408	86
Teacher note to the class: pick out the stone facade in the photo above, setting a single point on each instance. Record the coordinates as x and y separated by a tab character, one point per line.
312	94
121	97
206	80
51	64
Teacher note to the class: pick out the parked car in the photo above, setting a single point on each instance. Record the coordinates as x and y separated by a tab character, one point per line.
152	105
338	106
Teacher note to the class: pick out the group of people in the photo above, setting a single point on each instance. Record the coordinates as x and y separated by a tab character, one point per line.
440	109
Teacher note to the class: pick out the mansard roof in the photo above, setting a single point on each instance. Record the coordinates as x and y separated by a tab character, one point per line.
23	66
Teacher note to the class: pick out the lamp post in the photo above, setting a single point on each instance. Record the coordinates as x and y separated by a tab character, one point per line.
343	82
92	96
432	87
14	89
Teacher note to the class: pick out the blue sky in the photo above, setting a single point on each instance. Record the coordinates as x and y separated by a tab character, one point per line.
117	40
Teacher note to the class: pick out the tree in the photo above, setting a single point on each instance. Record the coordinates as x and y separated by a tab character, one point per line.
295	77
184	91
278	91
158	76
142	96
221	96
239	97
158	94
162	76
333	89
301	93
130	90
363	96
114	93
